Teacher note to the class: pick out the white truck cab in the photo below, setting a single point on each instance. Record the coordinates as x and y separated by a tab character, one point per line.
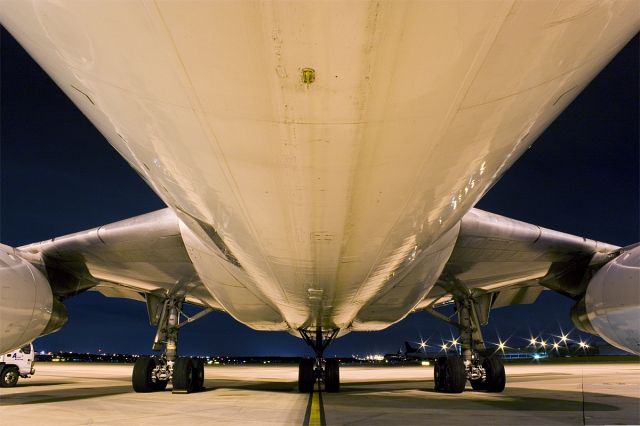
18	363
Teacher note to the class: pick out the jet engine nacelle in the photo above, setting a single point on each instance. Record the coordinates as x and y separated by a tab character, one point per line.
28	308
611	305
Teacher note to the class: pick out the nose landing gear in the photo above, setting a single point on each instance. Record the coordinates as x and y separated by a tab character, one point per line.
321	370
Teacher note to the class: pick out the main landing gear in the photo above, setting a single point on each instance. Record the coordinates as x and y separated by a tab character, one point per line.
152	374
325	371
450	374
485	373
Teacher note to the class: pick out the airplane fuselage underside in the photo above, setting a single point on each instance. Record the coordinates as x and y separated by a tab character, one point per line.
320	156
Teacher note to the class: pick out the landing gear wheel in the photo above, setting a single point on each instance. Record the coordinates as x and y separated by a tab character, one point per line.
439	372
455	376
198	374
305	376
160	385
495	375
478	384
142	379
332	375
184	375
9	376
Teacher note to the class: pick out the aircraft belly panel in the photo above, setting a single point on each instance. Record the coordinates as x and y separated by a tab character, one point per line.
313	149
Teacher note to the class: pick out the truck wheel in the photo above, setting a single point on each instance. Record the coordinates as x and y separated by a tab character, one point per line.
9	376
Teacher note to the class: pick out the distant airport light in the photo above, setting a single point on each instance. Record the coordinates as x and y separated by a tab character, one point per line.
444	346
423	344
556	346
454	342
564	338
501	346
536	356
533	341
543	343
583	345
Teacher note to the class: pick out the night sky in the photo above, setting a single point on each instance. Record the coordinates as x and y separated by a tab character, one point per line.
59	175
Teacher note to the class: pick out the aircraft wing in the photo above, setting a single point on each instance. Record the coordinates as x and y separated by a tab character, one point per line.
496	261
512	262
129	259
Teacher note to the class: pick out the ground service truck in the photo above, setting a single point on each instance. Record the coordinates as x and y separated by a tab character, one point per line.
16	364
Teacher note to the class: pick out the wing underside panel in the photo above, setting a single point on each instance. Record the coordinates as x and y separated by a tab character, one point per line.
515	260
130	258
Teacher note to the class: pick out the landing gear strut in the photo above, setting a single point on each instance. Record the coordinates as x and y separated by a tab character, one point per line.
485	373
152	374
323	370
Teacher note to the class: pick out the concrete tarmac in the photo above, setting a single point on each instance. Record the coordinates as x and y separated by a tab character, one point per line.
567	394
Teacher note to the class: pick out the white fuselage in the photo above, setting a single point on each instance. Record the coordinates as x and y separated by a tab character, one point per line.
339	199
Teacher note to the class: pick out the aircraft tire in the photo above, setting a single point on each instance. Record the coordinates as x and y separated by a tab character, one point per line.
305	376
332	375
455	375
141	376
496	377
478	384
184	375
160	385
199	374
439	372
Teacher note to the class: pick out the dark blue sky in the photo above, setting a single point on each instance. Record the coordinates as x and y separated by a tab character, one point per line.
59	175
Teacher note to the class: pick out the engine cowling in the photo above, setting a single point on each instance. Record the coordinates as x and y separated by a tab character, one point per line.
611	305
28	308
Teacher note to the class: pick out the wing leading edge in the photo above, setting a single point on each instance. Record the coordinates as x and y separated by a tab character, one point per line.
130	258
515	261
509	260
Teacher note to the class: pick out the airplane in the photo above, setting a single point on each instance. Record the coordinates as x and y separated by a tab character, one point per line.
320	163
413	351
